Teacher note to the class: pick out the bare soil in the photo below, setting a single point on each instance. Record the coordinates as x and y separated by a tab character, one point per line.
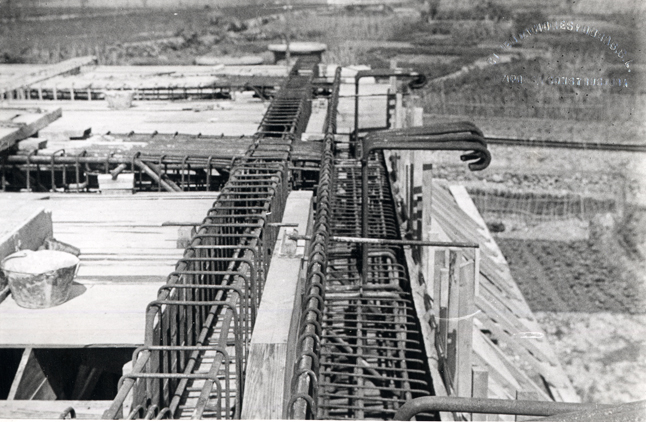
603	353
589	296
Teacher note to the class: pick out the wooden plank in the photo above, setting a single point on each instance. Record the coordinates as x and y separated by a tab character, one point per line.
484	348
266	379
17	379
266	369
18	232
31	144
28	123
30	382
428	254
51	409
96	315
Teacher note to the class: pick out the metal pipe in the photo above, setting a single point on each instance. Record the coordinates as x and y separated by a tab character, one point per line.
488	406
628	412
418	82
373	241
115	173
140	164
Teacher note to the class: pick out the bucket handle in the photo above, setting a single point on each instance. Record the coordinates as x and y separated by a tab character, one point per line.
14	256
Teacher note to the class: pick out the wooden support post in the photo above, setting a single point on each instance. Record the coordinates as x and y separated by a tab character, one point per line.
400	113
452	320
465	327
418	116
410	198
480	389
428	255
443	313
26	124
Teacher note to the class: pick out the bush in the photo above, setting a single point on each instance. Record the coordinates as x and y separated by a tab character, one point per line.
9	58
483	10
524	20
492	11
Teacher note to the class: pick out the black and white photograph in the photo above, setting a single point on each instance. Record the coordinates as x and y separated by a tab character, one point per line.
323	209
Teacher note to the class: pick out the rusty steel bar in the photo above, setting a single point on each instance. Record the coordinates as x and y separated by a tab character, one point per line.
461	136
419	80
373	241
153	175
491	406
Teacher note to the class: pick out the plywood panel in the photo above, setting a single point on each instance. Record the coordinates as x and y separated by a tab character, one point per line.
96	315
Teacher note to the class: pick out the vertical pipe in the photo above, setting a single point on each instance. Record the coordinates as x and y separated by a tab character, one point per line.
27	168
4	175
364	217
356	110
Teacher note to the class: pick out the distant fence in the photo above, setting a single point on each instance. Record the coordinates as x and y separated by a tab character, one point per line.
613	107
539	206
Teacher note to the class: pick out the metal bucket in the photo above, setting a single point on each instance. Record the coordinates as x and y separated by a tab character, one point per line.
40	279
119	100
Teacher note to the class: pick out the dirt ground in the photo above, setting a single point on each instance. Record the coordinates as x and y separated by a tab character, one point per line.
589	294
603	353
